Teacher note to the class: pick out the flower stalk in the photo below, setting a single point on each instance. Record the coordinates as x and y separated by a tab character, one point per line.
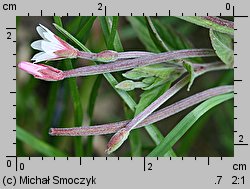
154	117
157	103
121	65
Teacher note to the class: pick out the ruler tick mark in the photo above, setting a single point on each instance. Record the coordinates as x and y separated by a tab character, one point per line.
241	144
144	164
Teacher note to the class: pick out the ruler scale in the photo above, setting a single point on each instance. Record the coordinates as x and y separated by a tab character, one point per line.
122	172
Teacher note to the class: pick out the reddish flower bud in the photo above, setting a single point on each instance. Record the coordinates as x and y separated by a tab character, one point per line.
42	71
117	140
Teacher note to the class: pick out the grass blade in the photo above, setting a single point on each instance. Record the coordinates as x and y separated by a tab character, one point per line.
84	32
69	36
113	33
186	123
37	144
78	112
110	78
90	111
160	44
113	42
138	23
134	137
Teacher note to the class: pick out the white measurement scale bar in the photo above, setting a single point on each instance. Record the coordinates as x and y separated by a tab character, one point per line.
202	172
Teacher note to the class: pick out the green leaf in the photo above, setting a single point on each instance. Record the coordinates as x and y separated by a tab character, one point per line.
90	110
84	31
147	97
220	25
158	37
166	37
78	111
155	75
223	46
135	143
139	25
37	144
112	40
186	123
192	74
105	23
113	33
160	44
110	78
69	36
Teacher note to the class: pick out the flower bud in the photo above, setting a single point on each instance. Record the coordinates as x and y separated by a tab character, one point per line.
117	140
106	56
129	85
42	71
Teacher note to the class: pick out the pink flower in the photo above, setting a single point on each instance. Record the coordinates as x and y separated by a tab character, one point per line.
42	71
52	47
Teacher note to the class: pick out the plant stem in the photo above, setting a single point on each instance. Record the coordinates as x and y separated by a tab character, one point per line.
154	117
142	61
119	137
170	92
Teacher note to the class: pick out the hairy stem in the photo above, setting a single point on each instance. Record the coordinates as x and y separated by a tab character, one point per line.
154	117
141	61
120	136
170	92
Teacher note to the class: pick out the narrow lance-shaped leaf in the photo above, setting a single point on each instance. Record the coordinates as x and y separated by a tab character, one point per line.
223	46
211	22
186	123
78	111
37	144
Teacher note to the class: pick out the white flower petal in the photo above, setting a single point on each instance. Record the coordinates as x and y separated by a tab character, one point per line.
43	57
46	30
40	31
50	37
37	55
37	45
50	47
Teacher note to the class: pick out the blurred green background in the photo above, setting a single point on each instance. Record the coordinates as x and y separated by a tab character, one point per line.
42	105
